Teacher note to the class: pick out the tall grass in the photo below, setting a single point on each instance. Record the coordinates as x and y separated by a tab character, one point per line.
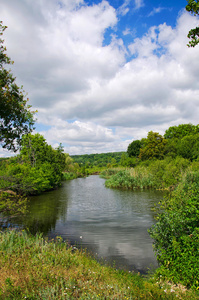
158	174
34	268
137	178
107	173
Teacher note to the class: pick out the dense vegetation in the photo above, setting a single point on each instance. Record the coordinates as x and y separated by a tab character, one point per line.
36	169
176	233
98	160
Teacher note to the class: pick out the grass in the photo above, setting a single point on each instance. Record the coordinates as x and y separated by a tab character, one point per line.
32	267
157	174
137	178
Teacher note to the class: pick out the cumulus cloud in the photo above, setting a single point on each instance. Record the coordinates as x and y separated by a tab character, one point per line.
95	96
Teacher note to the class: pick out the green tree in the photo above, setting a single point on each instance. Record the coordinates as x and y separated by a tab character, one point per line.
181	130
37	168
134	148
154	147
34	149
16	118
189	147
124	160
193	7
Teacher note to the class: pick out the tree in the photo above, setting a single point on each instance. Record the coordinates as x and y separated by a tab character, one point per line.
180	131
16	118
39	154
134	148
193	7
36	169
154	147
34	149
189	147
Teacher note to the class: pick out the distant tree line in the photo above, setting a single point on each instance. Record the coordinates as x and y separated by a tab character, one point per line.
111	159
181	140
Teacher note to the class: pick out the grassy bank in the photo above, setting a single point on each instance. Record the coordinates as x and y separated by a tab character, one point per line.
157	174
34	268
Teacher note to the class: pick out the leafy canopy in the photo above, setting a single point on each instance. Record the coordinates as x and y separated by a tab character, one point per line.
154	147
134	148
16	118
181	131
193	7
36	169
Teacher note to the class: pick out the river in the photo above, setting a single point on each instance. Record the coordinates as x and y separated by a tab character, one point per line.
110	223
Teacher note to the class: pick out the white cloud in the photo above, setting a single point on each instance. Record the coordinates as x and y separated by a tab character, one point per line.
129	31
5	153
156	10
96	97
126	6
139	4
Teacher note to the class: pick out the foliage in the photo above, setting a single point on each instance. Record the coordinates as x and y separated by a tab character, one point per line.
167	173
134	148
127	161
36	268
72	169
193	7
138	179
99	160
16	118
109	172
181	140
189	147
154	147
163	174
180	131
36	169
12	204
176	233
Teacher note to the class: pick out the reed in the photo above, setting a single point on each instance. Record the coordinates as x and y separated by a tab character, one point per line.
138	178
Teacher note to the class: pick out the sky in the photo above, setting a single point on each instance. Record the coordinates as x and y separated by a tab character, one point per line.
103	73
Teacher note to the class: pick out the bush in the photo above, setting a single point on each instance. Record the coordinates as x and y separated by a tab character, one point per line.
176	233
168	172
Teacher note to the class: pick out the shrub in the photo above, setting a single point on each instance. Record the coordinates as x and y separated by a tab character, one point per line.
176	233
168	172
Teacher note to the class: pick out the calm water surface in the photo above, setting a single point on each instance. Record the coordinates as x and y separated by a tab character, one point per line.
111	223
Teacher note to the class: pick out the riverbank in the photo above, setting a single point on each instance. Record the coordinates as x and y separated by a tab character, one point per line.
34	268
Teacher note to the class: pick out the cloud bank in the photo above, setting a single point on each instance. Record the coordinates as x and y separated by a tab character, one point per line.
94	95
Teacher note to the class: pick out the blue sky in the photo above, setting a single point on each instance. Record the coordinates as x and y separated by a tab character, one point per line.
103	73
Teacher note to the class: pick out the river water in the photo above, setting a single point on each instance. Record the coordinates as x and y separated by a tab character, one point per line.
110	223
